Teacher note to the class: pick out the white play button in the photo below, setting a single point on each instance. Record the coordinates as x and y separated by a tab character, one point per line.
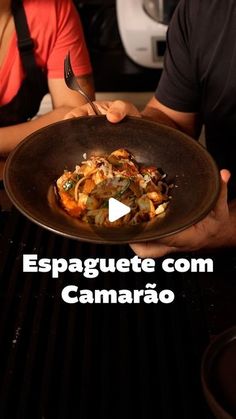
116	210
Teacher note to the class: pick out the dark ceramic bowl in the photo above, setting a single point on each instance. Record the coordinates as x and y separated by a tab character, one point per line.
219	375
42	157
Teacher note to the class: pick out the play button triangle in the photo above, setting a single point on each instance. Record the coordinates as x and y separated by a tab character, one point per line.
116	210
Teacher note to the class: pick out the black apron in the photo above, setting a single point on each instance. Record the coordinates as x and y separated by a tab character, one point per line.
26	102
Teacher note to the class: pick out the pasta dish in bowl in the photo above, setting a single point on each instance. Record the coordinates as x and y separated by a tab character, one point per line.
84	193
90	160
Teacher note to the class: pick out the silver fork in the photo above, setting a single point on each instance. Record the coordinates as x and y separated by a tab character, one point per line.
72	83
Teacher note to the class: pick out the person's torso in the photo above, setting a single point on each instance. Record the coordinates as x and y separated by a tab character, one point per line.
213	50
41	19
31	82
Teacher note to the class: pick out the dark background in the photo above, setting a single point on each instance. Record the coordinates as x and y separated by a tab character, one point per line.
113	70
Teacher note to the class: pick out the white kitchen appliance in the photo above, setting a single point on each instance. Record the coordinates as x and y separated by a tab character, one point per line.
143	38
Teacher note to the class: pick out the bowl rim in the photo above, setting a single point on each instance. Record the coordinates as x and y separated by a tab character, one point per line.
211	352
184	137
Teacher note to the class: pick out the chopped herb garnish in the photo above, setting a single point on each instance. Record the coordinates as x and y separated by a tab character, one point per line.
120	193
105	204
69	184
78	176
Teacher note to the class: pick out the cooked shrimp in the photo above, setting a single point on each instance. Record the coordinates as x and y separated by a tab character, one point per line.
85	193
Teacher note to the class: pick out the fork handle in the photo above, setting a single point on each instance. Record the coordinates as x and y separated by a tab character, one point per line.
93	106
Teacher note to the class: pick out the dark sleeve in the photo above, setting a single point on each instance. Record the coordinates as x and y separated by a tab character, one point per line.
178	88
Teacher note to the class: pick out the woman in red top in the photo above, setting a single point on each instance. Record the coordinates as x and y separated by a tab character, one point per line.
35	36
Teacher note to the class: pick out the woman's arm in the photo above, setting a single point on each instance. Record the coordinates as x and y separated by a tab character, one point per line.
63	100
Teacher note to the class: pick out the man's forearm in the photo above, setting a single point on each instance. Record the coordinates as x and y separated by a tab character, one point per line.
155	114
225	235
13	135
189	123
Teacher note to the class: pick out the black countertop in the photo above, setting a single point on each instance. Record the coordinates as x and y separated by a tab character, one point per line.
125	361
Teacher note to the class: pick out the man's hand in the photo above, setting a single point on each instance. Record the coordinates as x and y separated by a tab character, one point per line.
115	111
218	229
213	231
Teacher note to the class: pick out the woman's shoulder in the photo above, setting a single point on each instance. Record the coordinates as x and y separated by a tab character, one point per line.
48	11
55	27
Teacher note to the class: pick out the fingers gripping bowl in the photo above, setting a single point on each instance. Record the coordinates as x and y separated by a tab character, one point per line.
34	166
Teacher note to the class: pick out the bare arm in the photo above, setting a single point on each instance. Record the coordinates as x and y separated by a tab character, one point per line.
187	122
63	100
115	111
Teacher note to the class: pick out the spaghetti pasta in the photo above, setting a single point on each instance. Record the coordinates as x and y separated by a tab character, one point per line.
85	192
